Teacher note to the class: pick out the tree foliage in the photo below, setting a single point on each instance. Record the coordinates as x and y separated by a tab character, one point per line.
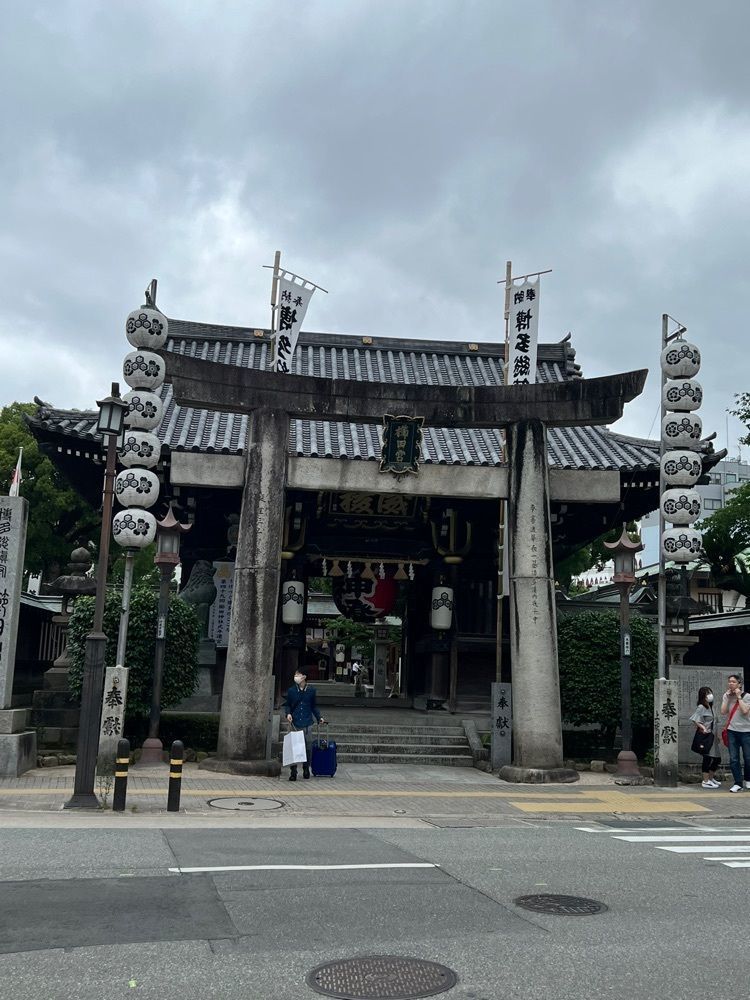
726	542
58	517
180	657
589	656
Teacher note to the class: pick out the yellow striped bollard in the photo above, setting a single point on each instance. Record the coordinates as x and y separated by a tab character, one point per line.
122	762
176	757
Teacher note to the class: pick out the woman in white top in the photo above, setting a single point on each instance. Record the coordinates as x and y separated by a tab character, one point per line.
703	717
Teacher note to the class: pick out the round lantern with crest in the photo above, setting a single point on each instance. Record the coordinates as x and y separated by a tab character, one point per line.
681	464
136	486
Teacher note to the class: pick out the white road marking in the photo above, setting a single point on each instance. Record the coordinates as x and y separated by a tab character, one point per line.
737	864
723	858
645	829
701	848
299	868
703	838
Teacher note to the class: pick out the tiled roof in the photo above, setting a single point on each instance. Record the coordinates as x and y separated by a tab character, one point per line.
385	359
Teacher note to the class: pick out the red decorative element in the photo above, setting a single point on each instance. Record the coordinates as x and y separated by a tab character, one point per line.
364	600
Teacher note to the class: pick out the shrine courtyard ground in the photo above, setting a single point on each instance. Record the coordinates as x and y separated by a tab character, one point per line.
418	863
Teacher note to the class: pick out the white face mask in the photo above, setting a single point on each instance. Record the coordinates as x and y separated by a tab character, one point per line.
298	679
709	698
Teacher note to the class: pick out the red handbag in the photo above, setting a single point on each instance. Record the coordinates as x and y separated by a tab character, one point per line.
725	730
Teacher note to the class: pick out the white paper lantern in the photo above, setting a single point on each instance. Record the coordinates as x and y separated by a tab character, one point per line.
137	488
140	448
441	608
143	370
682	394
681	545
682	430
681	506
680	360
147	327
134	529
292	602
681	468
145	410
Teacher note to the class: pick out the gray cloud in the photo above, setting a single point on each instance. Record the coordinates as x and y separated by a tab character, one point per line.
396	153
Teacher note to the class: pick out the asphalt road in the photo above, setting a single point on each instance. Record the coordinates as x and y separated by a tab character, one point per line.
115	913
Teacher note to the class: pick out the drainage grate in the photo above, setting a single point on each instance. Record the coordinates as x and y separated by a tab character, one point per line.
571	906
381	976
245	805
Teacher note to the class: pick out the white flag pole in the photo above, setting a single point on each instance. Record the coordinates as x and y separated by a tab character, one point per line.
15	483
274	304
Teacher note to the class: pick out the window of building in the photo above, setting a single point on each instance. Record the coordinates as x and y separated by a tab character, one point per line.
731	478
710	504
715	478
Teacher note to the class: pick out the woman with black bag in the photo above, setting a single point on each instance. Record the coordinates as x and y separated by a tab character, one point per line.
703	741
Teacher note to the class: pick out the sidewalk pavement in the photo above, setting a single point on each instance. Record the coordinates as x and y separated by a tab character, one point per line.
375	794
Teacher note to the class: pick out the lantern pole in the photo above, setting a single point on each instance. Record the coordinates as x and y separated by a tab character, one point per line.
663	666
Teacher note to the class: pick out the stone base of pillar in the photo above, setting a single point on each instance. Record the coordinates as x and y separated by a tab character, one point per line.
539	775
627	765
257	768
17	744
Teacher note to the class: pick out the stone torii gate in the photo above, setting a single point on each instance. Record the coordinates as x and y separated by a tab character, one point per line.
271	399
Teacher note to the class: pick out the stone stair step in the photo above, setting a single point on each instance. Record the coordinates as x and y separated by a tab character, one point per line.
422	731
402	741
436	760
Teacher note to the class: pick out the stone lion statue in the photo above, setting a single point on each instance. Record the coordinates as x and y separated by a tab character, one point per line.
200	592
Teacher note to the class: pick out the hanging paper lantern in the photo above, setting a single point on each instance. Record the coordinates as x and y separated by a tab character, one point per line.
147	327
680	360
441	608
292	602
682	394
682	430
681	468
137	487
681	506
364	600
681	545
139	448
145	410
134	529
143	370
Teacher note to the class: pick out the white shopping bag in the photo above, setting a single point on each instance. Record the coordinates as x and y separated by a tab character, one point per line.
295	751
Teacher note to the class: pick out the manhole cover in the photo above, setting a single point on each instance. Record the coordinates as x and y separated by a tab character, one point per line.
245	804
376	976
572	906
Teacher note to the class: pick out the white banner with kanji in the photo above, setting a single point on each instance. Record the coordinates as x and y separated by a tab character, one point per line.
523	326
291	305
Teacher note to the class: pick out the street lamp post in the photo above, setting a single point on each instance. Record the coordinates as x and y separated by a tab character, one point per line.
623	552
110	424
167	557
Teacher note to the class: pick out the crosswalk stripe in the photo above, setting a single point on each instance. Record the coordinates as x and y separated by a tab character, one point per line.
724	858
737	864
644	829
700	848
685	839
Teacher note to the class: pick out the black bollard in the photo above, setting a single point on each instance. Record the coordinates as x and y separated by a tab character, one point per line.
122	761
175	776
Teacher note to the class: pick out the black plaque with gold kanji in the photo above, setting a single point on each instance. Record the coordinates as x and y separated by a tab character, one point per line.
402	444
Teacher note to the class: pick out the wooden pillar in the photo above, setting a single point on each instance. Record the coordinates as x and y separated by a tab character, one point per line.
243	726
536	687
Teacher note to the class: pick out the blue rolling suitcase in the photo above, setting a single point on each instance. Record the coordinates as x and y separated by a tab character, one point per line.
323	756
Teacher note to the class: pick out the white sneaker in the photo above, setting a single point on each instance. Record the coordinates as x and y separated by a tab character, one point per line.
714	783
708	784
736	788
747	784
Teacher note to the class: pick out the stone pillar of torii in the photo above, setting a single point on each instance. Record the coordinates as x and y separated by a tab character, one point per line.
525	411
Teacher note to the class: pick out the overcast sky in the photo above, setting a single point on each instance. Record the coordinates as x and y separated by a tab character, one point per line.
397	153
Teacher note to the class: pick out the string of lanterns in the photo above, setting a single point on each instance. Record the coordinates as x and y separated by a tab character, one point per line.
137	486
681	464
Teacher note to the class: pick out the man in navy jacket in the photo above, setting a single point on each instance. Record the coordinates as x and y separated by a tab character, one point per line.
301	708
